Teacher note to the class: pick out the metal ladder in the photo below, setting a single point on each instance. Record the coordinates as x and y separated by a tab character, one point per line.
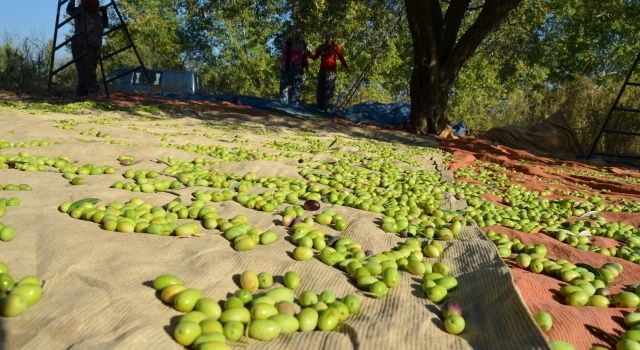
617	108
121	26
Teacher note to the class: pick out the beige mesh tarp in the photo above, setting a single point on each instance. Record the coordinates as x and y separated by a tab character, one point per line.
96	294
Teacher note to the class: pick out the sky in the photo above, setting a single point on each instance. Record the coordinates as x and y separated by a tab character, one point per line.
34	19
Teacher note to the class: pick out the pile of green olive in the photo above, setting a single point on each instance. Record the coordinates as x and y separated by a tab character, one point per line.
21	144
225	153
243	236
16	297
259	309
146	181
213	195
587	285
25	162
126	160
375	274
142	217
329	217
630	338
15	187
7	232
65	124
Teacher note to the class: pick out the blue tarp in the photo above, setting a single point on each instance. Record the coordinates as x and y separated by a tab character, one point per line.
391	114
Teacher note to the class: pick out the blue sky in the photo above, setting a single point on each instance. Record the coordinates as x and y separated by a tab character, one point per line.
27	18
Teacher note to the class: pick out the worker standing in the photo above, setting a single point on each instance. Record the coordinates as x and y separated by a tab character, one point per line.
329	52
86	49
294	60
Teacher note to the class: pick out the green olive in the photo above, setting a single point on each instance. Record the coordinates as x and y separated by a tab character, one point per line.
281	294
7	233
13	305
291	280
454	324
211	325
240	314
194	316
436	293
186	300
286	323
308	319
244	243
249	280
578	298
308	298
186	333
327	297
163	281
263	311
233	302
302	253
169	293
544	320
632	319
264	330
268	237
391	277
598	301
216	337
265	280
31	292
233	330
561	345
627	344
328	319
6	282
378	289
352	303
209	307
626	299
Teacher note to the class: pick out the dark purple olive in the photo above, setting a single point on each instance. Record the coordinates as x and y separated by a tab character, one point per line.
311	205
451	307
300	160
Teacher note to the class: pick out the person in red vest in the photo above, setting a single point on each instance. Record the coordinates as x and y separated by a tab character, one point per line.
329	52
86	49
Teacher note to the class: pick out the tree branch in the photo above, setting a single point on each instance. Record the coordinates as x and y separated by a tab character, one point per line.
492	13
451	25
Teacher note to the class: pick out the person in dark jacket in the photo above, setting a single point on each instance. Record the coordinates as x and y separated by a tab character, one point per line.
86	49
294	60
329	53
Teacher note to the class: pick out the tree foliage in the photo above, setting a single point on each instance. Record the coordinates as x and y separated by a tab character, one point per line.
545	52
545	55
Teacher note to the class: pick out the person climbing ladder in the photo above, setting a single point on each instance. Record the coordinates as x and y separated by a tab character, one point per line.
91	43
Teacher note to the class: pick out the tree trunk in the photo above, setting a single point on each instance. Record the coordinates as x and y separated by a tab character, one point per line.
429	86
439	51
429	95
